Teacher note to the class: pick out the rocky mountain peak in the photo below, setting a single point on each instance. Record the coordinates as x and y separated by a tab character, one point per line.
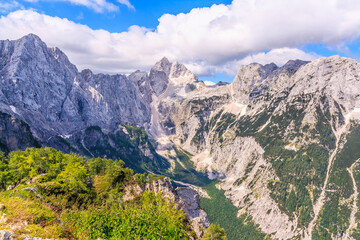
164	65
333	79
31	38
159	76
29	52
86	73
29	47
267	69
178	70
329	72
253	73
43	88
293	65
165	72
250	77
35	79
255	79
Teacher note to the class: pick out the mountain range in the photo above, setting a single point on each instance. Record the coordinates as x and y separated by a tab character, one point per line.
281	142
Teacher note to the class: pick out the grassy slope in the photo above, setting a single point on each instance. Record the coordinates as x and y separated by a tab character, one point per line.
221	210
27	216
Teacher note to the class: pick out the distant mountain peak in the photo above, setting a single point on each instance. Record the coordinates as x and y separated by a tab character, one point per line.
163	65
31	36
31	39
293	65
164	60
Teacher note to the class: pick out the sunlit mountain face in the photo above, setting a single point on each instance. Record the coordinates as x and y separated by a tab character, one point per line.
231	118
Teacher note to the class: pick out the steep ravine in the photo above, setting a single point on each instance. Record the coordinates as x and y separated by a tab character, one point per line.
354	197
318	205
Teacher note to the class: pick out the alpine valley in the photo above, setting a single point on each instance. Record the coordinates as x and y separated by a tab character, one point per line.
277	150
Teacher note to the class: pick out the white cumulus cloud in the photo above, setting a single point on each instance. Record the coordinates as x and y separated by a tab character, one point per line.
127	3
208	40
279	56
7	6
97	5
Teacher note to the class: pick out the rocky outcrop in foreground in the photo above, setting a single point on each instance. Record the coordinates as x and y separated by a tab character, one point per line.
185	199
9	235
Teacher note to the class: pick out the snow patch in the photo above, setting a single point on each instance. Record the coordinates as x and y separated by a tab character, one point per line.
76	83
56	56
13	108
209	83
66	136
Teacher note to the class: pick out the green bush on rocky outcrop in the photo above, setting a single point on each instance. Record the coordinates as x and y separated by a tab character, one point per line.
83	198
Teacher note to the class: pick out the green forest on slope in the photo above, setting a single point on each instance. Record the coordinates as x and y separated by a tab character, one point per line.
221	210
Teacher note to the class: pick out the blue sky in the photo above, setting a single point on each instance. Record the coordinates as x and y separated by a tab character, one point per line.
211	37
145	13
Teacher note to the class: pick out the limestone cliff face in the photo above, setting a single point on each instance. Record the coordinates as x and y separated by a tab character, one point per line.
40	86
254	134
247	133
15	134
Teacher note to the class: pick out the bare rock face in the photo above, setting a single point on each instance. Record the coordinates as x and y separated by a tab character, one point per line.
186	199
15	134
7	235
158	186
159	76
104	100
41	87
189	201
35	81
255	80
142	81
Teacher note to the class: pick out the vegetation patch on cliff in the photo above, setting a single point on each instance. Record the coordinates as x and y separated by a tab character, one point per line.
221	210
